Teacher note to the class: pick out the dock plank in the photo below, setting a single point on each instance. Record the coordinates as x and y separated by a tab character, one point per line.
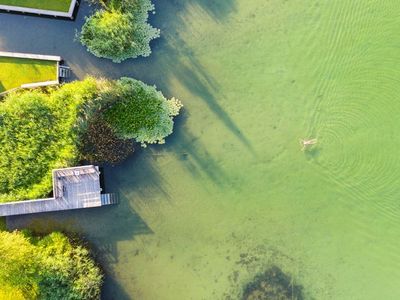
73	188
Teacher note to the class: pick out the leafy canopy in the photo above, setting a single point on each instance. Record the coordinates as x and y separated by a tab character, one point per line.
120	30
142	112
46	268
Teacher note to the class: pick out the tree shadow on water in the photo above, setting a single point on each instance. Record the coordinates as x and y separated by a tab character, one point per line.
138	184
193	82
171	54
137	181
102	227
219	10
193	154
112	289
138	178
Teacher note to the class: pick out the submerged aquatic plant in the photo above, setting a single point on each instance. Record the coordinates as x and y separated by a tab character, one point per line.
273	284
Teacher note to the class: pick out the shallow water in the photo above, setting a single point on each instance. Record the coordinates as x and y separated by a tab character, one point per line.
232	192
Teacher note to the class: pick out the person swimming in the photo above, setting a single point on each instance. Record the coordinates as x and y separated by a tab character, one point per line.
306	143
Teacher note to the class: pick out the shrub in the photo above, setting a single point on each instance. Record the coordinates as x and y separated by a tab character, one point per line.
120	31
18	265
67	271
47	268
142	112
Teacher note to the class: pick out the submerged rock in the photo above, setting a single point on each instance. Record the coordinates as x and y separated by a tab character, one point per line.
273	284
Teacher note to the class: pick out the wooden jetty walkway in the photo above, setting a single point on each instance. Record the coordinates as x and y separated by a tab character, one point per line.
73	188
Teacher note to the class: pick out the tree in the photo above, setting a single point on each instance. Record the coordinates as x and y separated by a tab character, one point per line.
67	270
50	267
141	112
18	265
120	30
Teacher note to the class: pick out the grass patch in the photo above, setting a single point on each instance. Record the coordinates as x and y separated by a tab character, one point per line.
17	71
57	5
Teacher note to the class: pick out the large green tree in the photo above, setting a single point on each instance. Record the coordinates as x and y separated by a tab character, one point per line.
120	30
141	112
50	267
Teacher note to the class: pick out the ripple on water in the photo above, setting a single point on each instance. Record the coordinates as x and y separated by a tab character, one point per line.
355	114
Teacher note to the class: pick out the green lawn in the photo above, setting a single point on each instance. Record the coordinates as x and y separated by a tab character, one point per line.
17	71
57	5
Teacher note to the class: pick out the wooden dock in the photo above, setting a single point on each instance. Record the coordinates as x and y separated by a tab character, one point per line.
73	188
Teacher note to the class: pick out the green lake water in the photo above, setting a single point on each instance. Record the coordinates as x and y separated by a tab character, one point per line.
231	192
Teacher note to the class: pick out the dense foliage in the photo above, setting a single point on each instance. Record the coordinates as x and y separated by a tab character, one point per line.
46	268
142	112
273	284
94	120
101	145
37	134
119	30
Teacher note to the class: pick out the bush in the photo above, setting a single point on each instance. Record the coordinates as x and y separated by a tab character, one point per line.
120	31
67	271
142	112
46	268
